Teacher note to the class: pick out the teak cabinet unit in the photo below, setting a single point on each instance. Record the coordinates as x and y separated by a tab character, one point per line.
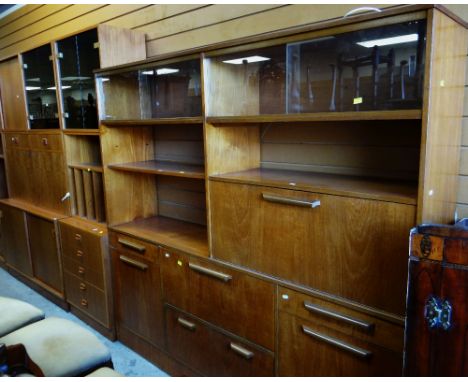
258	193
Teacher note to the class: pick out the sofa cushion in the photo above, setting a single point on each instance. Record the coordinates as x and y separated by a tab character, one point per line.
60	347
15	314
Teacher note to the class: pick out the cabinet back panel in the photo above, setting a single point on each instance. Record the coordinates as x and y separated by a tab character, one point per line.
182	199
181	144
83	149
366	148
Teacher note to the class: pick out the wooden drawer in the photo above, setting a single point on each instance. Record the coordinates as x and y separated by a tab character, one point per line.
14	141
306	348
87	298
94	276
342	319
132	245
213	352
52	142
83	246
233	300
342	246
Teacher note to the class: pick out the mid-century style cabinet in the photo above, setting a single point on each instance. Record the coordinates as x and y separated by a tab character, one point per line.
258	193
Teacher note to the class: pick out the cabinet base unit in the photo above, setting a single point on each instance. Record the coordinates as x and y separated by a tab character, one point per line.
87	272
437	307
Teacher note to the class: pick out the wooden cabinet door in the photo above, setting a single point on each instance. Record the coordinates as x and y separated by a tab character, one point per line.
213	352
20	178
343	246
230	299
309	349
12	95
137	290
44	252
13	239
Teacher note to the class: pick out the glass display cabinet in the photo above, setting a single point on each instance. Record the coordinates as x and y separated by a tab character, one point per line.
41	92
163	90
78	57
372	69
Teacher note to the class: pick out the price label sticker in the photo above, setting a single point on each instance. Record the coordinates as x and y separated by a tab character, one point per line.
357	100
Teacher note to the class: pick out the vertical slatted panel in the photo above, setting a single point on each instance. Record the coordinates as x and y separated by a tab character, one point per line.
98	193
79	192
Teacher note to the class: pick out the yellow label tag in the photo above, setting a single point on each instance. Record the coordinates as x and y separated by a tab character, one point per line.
357	100
179	263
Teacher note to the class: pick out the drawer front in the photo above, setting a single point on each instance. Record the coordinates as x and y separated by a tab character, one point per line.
213	353
342	246
89	275
133	246
342	319
87	298
306	348
137	296
52	142
13	141
82	246
230	299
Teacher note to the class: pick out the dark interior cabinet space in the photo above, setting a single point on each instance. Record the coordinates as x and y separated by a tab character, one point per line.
436	334
137	290
44	252
13	239
41	92
78	56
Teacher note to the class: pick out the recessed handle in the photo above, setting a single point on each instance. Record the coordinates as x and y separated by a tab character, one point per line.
358	352
81	270
294	202
82	286
133	263
84	302
130	244
243	352
368	326
78	237
210	272
186	324
45	141
79	253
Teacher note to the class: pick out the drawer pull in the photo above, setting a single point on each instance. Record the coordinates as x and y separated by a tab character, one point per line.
186	324
132	245
209	272
293	202
84	302
133	263
81	270
362	353
243	352
79	253
82	286
368	326
77	237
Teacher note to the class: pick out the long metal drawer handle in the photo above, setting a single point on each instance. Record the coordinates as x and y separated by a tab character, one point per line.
186	324
209	272
342	317
247	354
133	263
293	202
132	245
362	353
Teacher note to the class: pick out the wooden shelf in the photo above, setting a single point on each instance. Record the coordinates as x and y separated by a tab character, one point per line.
81	131
176	234
397	191
33	209
152	122
318	117
95	167
183	170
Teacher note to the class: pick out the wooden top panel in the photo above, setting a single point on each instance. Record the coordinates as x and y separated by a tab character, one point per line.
186	237
391	191
156	167
33	209
318	117
86	225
